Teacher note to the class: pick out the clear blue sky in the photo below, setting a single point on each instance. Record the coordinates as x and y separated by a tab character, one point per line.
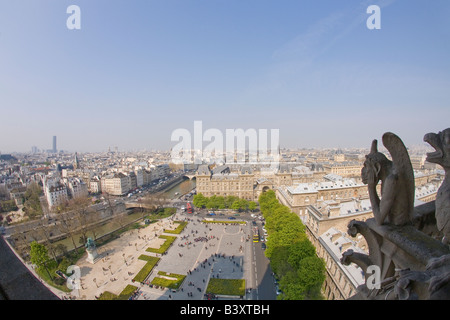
139	69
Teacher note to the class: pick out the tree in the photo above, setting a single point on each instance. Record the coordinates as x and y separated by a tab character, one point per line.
268	202
109	202
229	200
66	225
161	200
200	200
83	214
64	264
279	261
61	249
306	282
311	275
32	204
285	237
43	230
39	256
300	250
243	204
252	205
292	256
8	205
291	287
212	202
236	205
220	202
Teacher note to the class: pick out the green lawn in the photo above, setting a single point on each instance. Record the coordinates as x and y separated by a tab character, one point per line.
169	283
164	246
147	269
124	295
178	229
229	287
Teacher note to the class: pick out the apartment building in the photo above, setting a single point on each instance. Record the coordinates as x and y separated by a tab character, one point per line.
55	192
116	184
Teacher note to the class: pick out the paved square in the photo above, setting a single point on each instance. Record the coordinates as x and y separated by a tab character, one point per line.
200	251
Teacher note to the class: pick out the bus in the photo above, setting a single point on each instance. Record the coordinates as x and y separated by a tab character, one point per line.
255	234
189	208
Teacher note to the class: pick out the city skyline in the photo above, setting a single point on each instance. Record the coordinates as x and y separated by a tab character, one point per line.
421	148
137	71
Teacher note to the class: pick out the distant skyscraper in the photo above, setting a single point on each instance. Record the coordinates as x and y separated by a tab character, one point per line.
54	144
76	163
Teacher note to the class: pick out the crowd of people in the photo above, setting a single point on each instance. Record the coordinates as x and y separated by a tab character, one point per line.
214	264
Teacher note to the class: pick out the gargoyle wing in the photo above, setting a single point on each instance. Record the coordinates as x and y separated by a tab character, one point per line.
402	163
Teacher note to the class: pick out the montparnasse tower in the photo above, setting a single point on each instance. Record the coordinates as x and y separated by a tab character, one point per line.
76	163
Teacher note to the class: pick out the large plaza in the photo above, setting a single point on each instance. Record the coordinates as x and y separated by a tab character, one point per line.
200	252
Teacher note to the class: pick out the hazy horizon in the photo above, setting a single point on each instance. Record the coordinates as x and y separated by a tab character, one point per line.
138	70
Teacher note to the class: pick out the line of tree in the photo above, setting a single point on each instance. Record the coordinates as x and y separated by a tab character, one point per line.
31	202
30	199
7	206
220	202
293	257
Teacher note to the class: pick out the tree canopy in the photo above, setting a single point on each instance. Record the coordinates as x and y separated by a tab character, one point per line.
38	255
220	202
292	256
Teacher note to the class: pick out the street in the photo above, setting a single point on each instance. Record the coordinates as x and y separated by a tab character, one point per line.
265	287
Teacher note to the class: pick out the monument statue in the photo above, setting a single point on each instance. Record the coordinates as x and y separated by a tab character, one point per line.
91	250
414	262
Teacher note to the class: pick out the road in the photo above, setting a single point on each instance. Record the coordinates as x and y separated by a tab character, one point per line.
265	287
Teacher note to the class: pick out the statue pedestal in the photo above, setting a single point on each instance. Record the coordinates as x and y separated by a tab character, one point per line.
92	255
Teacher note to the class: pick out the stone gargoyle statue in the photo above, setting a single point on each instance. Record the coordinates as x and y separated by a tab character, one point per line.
436	277
396	205
414	260
441	143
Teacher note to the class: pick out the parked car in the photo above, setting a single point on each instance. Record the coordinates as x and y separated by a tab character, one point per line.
278	291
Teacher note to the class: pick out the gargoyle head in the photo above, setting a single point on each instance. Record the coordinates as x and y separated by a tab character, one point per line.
441	143
370	173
